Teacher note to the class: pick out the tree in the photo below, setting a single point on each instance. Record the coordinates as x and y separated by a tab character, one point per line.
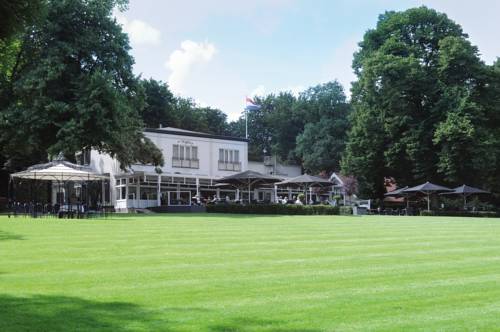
321	145
159	108
283	117
213	121
414	70
259	131
72	88
15	15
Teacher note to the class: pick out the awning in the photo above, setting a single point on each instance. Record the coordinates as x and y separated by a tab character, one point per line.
59	170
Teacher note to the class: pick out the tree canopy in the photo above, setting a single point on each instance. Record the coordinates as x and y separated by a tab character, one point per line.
420	103
71	87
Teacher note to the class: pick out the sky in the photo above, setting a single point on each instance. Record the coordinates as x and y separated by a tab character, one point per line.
220	51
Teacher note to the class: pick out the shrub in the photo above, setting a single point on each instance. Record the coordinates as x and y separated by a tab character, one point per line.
486	214
274	209
345	210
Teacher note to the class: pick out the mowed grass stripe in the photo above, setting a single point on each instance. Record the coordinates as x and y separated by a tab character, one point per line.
251	273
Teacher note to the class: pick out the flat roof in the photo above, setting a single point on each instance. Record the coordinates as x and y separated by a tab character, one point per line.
181	132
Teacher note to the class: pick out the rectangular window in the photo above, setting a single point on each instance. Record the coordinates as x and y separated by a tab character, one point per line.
229	160
175	153
181	152
185	156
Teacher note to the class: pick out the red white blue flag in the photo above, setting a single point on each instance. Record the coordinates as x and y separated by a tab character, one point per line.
251	105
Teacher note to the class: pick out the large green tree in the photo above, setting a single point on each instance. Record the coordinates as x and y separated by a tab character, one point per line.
71	87
321	144
284	119
15	15
419	104
160	102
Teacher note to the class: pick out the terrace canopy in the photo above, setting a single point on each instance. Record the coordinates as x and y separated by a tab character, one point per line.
427	189
306	181
465	191
247	180
60	171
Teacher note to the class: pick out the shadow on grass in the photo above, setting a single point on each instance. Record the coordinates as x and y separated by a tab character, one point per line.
5	236
243	324
61	313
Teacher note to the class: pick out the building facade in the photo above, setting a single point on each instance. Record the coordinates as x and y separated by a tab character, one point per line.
193	162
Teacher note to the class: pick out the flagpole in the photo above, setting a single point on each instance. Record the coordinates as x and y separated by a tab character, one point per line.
246	122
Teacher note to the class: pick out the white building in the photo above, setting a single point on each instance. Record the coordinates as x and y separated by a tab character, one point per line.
193	161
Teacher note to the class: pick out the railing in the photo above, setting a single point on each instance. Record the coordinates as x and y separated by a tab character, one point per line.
186	163
234	166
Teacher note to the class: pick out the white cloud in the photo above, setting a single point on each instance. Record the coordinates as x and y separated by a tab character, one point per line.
139	32
181	61
259	91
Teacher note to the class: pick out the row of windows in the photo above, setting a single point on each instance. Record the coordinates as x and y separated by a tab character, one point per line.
229	156
185	152
186	156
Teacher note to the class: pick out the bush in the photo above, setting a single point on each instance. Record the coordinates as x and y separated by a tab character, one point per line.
345	210
274	209
486	214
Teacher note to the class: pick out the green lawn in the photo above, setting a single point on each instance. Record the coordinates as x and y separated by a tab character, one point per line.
250	273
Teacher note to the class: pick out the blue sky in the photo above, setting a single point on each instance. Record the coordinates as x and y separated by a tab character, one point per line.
220	51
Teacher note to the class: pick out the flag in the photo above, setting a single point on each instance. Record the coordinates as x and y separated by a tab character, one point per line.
251	105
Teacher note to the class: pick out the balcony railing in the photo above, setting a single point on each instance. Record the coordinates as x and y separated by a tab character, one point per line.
234	166
186	163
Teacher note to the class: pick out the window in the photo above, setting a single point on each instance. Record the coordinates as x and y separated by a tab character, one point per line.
83	157
175	153
185	156
229	160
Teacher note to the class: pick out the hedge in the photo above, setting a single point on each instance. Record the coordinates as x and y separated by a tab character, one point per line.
345	210
485	214
285	209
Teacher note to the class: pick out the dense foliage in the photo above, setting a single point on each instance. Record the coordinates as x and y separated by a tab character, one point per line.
309	129
69	86
425	106
16	14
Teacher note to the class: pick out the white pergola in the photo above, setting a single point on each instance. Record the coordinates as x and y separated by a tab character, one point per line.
60	171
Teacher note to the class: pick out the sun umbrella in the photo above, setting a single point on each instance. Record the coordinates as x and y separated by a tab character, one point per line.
305	181
247	179
464	191
427	189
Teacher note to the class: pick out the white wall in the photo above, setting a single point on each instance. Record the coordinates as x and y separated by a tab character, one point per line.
208	153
